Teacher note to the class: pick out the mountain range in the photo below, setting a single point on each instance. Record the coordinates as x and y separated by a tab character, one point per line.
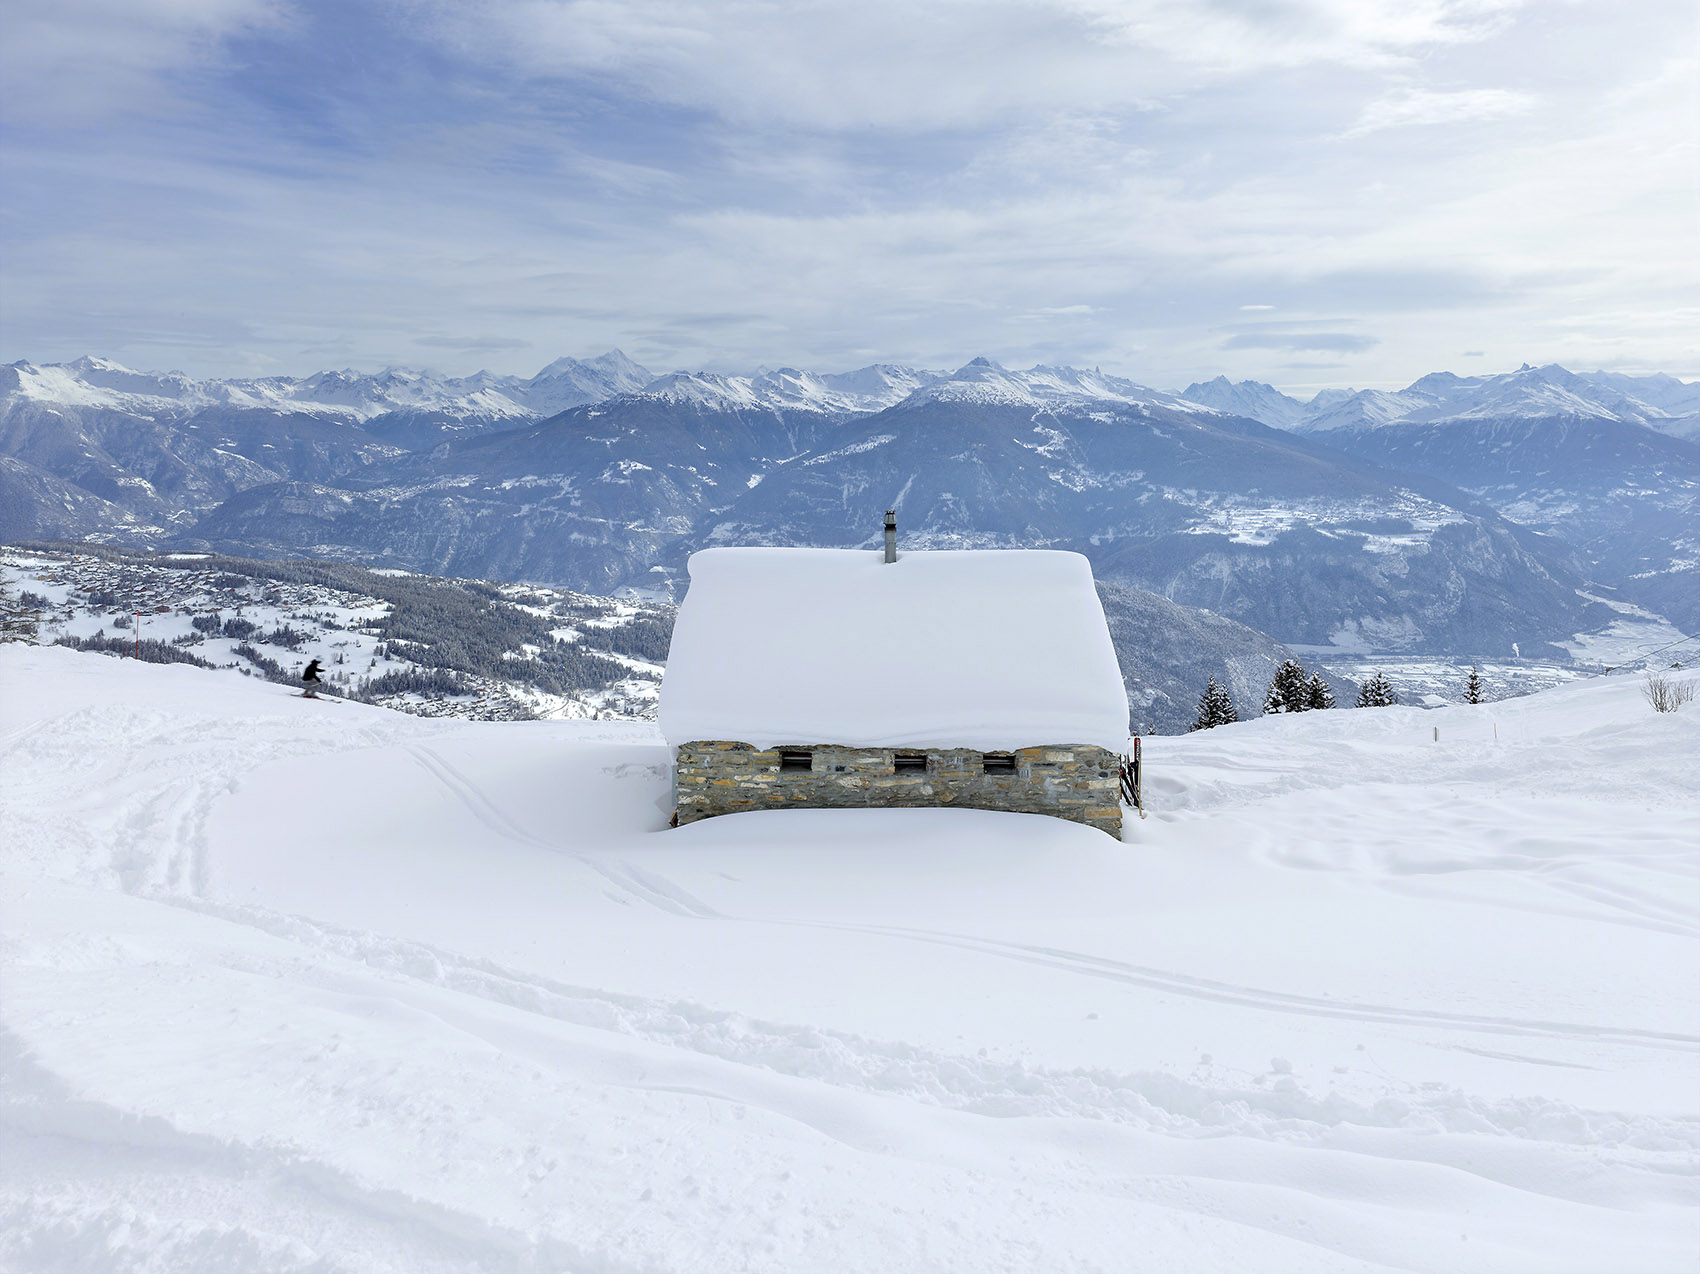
1607	464
1437	519
1660	402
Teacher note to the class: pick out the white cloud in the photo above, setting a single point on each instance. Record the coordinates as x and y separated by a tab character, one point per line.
1420	106
1235	38
923	64
818	184
70	60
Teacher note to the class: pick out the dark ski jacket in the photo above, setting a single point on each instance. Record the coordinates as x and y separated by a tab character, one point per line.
312	673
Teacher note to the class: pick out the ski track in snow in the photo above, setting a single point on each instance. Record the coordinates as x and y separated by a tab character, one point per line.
1276	1001
111	1171
975	1084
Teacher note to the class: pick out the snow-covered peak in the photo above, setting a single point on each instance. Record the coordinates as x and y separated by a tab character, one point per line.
707	390
1662	402
1541	391
789	388
859	392
405	389
985	382
1528	393
610	372
58	384
1524	393
615	365
567	382
1249	398
1442	384
103	373
1323	399
980	382
91	368
1369	407
102	384
1667	393
881	384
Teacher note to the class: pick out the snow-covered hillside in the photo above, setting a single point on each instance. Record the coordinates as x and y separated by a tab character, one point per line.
420	644
292	986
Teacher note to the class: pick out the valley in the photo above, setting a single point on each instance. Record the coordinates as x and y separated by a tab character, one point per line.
1413	526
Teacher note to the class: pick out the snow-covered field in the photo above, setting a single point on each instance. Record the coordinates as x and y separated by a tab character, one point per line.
295	986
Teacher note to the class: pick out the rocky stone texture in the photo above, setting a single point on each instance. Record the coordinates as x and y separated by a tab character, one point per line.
1076	782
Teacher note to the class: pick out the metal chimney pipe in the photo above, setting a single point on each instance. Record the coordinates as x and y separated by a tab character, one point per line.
891	535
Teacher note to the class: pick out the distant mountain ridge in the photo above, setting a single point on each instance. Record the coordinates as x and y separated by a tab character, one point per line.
362	397
101	383
1310	535
1660	402
1606	463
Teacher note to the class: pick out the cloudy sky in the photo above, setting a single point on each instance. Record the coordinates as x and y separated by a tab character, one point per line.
1309	192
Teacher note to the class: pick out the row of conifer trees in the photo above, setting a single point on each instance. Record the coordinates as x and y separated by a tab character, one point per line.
1293	690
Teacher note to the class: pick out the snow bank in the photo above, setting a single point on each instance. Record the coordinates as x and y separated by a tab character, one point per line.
302	987
982	649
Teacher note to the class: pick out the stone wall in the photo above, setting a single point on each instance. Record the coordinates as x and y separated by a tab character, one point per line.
1076	782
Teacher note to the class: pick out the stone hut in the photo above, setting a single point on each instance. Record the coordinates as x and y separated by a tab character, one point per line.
825	678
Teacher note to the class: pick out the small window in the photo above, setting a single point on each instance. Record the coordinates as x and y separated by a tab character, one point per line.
999	763
910	762
796	759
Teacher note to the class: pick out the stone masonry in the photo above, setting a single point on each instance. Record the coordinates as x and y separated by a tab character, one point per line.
1078	782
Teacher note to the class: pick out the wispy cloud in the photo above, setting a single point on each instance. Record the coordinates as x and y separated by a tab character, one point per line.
76	60
1333	342
909	64
471	344
758	181
1412	106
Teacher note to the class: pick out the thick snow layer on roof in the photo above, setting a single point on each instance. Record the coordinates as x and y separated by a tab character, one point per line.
985	649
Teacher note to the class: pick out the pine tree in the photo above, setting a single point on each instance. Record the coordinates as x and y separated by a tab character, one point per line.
1377	692
1226	713
1287	689
1215	707
1473	687
1317	693
1206	707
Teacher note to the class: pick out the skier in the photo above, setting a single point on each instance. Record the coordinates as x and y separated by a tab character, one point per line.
311	677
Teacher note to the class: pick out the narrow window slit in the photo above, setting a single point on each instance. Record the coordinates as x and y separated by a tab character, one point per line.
998	763
796	759
909	762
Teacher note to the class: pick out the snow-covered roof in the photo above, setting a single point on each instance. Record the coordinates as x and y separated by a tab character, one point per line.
985	649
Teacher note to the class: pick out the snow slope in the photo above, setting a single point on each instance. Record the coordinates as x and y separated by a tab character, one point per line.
294	986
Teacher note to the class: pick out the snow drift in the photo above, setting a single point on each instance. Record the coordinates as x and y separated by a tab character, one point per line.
299	986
